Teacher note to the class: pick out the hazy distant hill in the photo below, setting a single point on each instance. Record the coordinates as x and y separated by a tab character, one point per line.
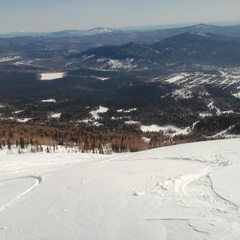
63	43
135	34
187	47
64	33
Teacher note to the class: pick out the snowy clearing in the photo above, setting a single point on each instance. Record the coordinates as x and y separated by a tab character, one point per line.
167	130
55	115
9	58
182	94
49	101
124	64
237	95
51	76
101	78
132	122
214	108
190	191
95	113
175	78
127	111
19	111
23	120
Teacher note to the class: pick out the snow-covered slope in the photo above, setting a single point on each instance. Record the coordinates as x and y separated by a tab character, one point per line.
188	191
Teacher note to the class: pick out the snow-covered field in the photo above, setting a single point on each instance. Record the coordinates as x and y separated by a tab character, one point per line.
223	77
52	76
188	191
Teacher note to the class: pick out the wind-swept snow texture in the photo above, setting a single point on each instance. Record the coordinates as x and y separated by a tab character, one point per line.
188	191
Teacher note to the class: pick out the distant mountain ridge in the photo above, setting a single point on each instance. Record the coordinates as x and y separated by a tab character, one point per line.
63	33
195	47
70	42
140	34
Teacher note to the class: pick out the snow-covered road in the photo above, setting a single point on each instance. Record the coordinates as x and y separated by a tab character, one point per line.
188	191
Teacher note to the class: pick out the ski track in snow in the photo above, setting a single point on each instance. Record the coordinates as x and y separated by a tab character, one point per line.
37	179
198	186
3	233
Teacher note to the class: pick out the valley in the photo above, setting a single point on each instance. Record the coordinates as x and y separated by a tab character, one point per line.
182	88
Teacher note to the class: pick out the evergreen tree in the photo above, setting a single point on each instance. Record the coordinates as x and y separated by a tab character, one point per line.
21	142
9	144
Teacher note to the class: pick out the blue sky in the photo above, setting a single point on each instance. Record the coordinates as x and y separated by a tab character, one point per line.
55	15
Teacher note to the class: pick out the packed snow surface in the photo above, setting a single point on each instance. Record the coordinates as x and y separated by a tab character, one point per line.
188	191
52	76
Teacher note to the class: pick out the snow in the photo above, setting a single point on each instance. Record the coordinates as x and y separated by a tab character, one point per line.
102	78
175	78
85	57
167	130
121	64
237	95
151	128
100	60
228	112
49	100
146	140
95	113
52	76
225	133
23	120
19	111
95	116
9	58
132	122
127	111
203	115
214	108
182	94
23	63
89	121
226	77
56	115
188	191
201	34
